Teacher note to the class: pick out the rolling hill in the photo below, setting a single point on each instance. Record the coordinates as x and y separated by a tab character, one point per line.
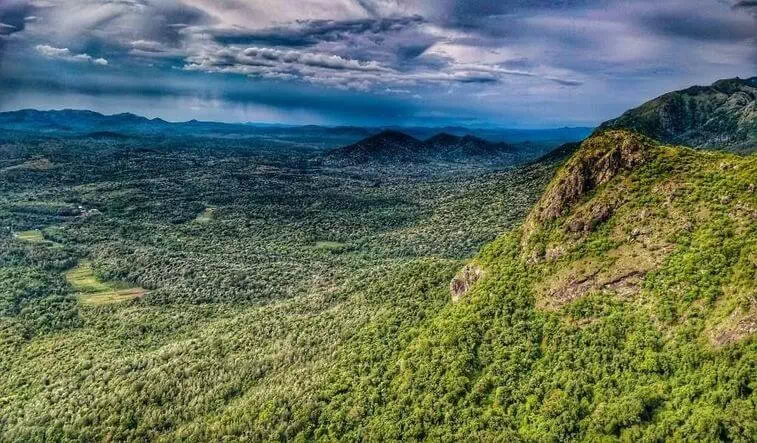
720	116
394	147
83	123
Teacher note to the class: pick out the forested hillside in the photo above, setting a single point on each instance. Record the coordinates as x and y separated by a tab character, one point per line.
396	148
235	297
624	309
720	116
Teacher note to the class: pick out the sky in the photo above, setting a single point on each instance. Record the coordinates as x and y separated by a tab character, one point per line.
507	63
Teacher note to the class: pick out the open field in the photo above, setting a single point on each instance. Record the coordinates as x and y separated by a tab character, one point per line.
32	236
206	215
91	291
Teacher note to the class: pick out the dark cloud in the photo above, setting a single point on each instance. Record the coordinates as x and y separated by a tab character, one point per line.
749	6
497	7
168	20
311	32
13	16
566	82
234	92
470	13
745	4
550	60
412	50
693	25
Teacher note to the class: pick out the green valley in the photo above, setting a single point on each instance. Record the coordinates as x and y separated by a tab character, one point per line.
211	289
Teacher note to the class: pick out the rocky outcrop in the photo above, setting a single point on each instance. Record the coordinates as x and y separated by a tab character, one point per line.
738	326
600	158
464	280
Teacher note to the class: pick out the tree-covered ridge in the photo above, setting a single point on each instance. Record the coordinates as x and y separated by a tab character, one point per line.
639	328
395	148
720	116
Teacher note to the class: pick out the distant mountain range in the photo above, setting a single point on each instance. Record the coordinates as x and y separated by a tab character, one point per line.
78	123
720	116
82	123
394	146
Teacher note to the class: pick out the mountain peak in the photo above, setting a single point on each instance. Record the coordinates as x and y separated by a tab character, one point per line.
393	135
443	138
598	160
393	146
720	116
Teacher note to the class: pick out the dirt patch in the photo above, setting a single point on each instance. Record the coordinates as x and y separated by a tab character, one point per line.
206	216
738	326
620	271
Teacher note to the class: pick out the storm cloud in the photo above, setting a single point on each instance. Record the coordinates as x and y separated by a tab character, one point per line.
507	62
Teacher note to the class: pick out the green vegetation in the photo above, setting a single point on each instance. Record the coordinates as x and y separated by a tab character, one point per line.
617	350
33	236
331	246
93	292
318	306
720	116
242	315
206	215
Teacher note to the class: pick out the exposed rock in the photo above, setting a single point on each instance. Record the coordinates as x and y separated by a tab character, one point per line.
554	252
586	221
600	158
738	326
574	289
464	280
624	285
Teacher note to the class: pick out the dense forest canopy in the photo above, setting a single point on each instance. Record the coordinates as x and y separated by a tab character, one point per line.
205	288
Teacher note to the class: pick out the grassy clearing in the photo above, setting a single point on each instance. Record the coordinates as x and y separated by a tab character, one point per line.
93	292
37	236
33	236
331	246
41	164
206	216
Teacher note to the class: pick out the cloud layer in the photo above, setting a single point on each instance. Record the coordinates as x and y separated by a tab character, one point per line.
65	54
514	62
